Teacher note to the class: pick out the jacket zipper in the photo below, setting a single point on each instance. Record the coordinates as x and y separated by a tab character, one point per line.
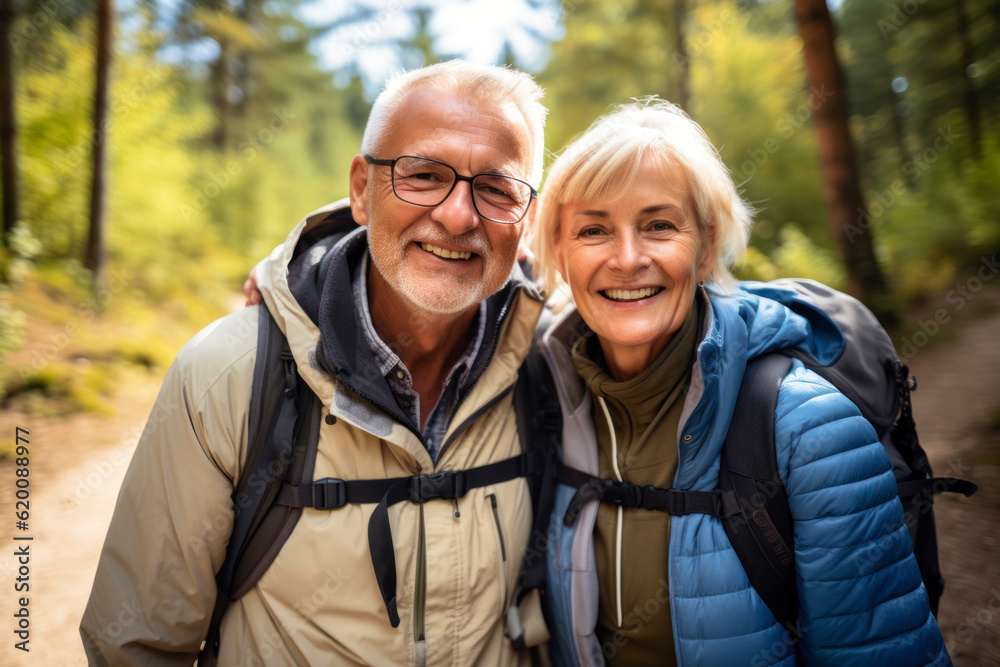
420	597
421	584
420	592
421	650
618	521
496	518
503	551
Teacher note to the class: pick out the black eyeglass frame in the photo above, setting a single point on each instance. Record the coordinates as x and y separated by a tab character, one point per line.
458	177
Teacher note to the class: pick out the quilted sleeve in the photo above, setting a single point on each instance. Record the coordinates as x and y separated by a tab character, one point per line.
862	599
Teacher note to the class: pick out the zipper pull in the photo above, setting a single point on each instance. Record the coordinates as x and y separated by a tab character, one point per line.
455	502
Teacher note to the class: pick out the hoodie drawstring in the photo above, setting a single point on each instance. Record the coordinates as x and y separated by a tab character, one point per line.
618	522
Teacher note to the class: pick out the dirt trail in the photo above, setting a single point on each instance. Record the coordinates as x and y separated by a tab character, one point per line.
78	464
953	404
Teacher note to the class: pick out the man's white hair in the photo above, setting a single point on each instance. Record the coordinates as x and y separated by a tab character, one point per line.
484	83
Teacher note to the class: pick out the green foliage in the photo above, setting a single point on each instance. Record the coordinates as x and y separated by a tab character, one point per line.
11	327
215	155
935	236
930	189
16	259
931	200
149	165
796	255
256	193
15	263
748	93
152	353
612	51
185	221
751	99
290	137
53	108
62	388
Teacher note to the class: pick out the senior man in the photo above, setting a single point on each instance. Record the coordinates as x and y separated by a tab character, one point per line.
409	320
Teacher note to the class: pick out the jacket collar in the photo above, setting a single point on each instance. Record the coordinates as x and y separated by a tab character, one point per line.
318	278
739	326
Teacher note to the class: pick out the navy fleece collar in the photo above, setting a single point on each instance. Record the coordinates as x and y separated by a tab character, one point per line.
320	279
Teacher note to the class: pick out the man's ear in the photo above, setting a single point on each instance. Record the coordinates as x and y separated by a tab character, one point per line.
527	229
359	190
528	224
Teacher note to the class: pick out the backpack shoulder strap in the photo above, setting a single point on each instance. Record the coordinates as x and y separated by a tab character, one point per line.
751	501
761	532
282	437
539	428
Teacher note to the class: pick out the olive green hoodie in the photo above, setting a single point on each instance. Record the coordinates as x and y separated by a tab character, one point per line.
634	616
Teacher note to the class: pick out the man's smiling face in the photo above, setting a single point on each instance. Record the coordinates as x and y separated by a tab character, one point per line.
443	259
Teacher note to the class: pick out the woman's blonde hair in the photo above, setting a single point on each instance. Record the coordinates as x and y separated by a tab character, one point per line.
603	162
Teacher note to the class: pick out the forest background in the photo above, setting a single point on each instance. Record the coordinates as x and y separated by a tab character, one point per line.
152	151
225	121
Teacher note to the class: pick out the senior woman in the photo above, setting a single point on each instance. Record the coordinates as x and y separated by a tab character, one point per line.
641	219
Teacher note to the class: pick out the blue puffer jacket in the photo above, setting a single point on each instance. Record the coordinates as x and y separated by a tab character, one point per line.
862	599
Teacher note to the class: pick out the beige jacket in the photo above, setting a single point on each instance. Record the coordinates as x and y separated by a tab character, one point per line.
318	603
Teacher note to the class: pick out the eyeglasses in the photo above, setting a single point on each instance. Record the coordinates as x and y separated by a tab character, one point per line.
425	182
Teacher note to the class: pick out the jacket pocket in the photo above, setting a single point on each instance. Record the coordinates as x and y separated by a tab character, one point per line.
496	518
502	565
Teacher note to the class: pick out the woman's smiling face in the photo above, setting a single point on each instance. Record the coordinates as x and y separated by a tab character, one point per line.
633	263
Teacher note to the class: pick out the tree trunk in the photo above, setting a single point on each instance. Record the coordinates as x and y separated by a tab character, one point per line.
98	189
968	59
8	122
850	224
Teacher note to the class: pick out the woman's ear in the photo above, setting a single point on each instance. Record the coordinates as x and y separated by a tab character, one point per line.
708	254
